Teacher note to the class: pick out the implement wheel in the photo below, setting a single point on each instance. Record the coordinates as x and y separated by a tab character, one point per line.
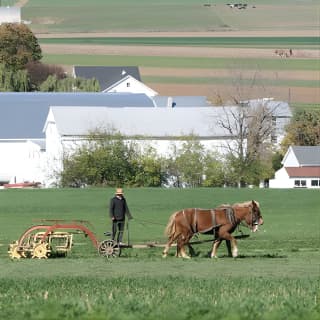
40	251
109	249
15	252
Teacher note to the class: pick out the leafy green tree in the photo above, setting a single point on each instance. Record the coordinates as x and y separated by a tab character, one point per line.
214	171
276	160
18	46
69	84
148	169
185	167
13	81
107	159
303	130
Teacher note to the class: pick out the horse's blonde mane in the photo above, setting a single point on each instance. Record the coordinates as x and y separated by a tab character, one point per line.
246	204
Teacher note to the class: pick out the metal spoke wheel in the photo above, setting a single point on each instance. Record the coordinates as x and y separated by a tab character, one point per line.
40	251
109	249
15	252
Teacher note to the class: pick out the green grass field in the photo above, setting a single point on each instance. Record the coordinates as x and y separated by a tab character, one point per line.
275	277
225	42
184	62
167	15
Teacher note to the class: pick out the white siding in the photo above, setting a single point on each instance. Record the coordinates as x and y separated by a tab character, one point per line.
281	180
21	161
131	85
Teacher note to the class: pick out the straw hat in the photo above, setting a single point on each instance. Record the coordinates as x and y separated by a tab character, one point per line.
119	191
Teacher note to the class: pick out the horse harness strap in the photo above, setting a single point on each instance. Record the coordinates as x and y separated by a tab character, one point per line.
194	222
213	217
230	215
193	226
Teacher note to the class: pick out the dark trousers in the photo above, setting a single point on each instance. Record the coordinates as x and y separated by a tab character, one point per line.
117	226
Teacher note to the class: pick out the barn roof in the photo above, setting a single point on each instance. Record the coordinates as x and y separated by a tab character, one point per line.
303	172
22	115
307	155
150	122
181	101
106	75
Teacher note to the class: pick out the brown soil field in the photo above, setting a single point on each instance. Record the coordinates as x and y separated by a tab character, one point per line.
171	51
292	94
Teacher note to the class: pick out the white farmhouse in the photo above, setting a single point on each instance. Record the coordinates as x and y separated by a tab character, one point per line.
301	168
124	79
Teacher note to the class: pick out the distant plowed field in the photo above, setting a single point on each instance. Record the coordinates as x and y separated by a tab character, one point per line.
190	47
216	72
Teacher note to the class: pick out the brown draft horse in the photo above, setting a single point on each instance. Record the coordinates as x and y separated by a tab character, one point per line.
220	222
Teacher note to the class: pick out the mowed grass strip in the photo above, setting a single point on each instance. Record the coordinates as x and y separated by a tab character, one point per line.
233	42
184	62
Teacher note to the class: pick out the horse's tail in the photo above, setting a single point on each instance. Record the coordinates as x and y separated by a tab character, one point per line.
171	226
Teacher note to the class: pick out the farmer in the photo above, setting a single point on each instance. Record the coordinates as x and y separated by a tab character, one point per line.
118	210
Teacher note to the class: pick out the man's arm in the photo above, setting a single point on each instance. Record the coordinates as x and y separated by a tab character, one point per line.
111	209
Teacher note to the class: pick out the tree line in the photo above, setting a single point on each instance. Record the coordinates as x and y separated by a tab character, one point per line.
21	69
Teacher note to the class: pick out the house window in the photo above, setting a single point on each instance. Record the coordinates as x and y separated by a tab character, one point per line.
300	183
315	183
128	84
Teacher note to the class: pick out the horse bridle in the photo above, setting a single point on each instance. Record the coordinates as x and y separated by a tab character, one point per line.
255	217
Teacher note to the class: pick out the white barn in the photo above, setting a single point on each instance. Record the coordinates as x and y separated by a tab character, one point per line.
301	169
67	128
22	117
36	128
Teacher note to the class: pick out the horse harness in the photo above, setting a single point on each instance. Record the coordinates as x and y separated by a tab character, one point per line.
194	227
